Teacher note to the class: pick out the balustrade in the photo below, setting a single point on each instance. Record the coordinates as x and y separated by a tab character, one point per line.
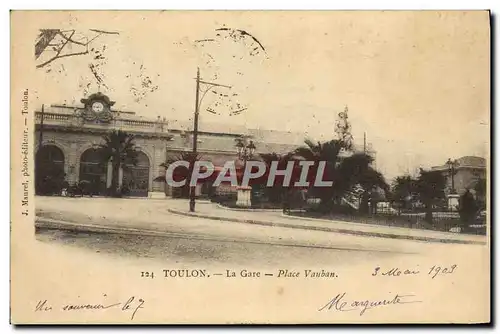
50	118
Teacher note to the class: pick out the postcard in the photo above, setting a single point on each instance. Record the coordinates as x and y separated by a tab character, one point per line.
250	167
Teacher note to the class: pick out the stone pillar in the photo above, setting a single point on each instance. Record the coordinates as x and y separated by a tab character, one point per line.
197	190
453	202
156	150
244	197
109	174
73	164
120	176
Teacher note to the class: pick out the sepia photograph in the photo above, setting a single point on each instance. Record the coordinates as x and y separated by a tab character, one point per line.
250	167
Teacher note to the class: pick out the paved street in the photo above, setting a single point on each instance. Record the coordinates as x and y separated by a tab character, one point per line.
190	240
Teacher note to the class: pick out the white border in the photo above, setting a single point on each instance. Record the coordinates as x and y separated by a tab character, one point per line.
493	5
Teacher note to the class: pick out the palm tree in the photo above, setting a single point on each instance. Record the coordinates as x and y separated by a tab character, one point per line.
275	194
345	172
119	148
430	187
181	172
328	152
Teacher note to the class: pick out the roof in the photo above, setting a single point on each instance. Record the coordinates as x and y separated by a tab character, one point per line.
472	161
467	161
267	141
174	124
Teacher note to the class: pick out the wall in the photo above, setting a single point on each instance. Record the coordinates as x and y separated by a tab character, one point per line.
73	144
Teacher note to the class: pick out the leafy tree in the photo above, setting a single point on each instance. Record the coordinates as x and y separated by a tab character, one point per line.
403	189
467	208
119	148
430	187
357	169
480	189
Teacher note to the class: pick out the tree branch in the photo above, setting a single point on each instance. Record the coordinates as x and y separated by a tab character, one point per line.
105	32
58	57
57	54
68	39
44	39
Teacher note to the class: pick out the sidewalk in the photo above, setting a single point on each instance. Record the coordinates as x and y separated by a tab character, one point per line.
276	218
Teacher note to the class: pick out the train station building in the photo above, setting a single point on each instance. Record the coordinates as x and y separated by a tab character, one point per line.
67	140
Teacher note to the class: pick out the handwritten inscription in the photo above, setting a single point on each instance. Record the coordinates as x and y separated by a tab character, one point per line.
395	272
132	305
341	303
437	270
432	272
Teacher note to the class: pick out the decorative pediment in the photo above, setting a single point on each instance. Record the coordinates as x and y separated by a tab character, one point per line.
97	108
98	97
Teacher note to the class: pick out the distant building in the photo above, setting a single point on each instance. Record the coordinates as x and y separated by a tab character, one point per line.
468	171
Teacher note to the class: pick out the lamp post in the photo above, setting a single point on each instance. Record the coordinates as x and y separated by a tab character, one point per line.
208	86
452	165
245	152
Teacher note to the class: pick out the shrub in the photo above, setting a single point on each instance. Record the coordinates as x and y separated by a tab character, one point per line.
468	208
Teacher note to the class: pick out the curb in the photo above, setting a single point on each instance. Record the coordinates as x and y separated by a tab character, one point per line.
329	229
347	223
220	206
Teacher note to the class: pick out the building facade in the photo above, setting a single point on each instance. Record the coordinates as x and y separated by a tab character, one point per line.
67	140
464	173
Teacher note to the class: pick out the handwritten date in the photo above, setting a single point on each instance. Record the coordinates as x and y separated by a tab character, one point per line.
433	272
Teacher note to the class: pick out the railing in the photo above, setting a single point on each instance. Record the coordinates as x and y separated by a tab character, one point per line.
74	120
443	221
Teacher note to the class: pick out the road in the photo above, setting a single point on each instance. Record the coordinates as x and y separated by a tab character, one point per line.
196	241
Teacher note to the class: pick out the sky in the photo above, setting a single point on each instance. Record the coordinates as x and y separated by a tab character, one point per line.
417	83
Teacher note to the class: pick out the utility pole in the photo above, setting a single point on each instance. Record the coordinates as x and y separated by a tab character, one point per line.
192	192
41	128
364	142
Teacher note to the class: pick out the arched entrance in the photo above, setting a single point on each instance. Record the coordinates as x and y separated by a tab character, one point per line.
136	177
49	170
93	171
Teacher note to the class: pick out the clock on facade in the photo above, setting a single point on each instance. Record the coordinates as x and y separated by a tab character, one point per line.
97	107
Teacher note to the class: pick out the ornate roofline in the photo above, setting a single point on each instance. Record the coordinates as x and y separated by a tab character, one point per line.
98	131
98	96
